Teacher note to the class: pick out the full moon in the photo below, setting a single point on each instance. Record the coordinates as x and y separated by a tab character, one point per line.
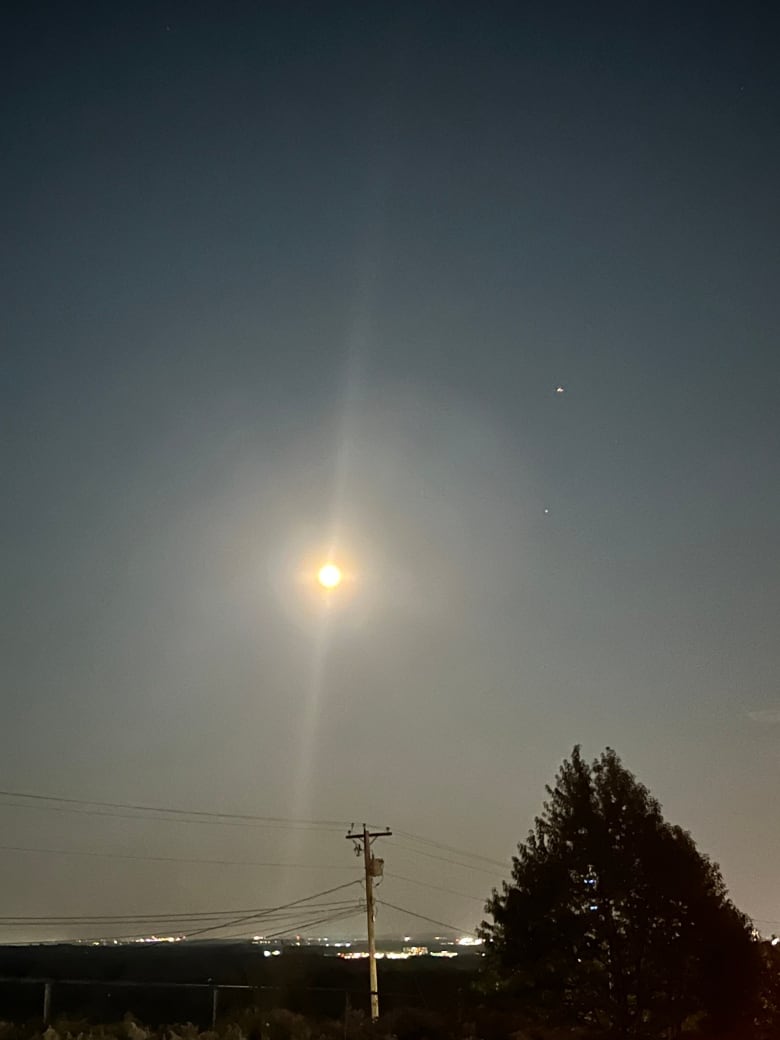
329	576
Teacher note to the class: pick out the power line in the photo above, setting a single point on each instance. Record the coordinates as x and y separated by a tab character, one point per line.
285	906
430	920
268	914
436	888
504	864
169	809
130	810
117	815
159	934
359	909
172	918
172	859
256	911
442	859
336	909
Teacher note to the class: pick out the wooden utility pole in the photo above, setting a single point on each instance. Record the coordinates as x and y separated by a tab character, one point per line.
373	867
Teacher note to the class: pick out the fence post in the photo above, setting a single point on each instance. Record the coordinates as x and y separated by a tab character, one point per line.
46	1003
214	1001
346	1012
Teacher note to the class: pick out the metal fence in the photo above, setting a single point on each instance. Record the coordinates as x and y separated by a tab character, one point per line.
201	1003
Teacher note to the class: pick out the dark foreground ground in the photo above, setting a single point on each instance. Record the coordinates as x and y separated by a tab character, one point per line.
188	982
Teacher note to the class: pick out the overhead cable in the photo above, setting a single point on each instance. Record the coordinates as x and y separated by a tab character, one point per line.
174	859
94	807
430	920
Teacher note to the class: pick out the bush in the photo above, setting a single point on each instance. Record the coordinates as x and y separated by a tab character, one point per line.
414	1024
282	1024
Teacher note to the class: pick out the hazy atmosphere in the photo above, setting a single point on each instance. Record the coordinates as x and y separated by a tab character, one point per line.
478	301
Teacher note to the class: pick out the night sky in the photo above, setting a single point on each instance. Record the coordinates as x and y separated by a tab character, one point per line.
287	280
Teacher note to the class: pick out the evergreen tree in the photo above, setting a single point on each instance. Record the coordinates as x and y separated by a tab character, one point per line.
614	919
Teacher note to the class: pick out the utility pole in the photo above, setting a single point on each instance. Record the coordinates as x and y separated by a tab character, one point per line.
363	842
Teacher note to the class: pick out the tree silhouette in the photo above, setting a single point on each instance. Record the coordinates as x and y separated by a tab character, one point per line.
614	919
769	1010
